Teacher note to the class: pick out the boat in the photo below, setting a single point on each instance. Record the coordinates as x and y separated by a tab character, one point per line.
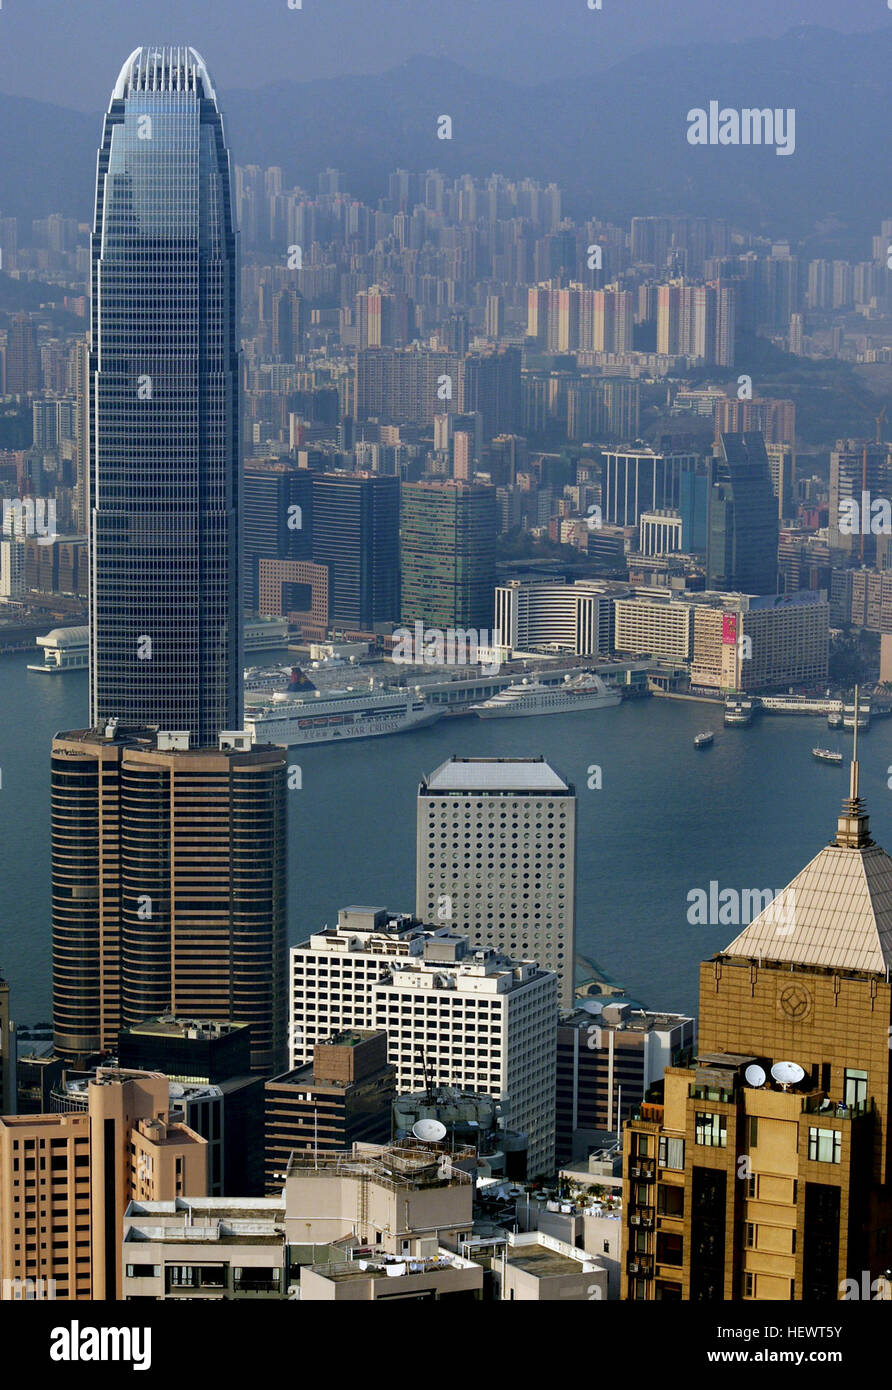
827	755
264	679
585	691
339	715
705	739
834	719
739	712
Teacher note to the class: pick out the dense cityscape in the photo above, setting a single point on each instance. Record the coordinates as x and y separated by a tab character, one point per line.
287	466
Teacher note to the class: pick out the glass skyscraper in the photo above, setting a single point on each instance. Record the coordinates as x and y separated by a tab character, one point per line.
165	621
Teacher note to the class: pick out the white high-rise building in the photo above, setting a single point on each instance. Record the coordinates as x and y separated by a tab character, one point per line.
454	1015
496	858
12	568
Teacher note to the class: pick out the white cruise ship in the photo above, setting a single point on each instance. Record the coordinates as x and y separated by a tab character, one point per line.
585	691
339	714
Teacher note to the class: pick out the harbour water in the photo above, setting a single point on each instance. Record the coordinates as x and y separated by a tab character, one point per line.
747	813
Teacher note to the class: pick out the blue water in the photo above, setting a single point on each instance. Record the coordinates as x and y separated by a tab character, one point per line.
748	812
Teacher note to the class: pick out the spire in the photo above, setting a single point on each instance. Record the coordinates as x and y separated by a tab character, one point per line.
852	827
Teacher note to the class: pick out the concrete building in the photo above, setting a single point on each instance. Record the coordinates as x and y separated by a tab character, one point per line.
639	480
749	1179
608	1056
344	1096
221	1249
658	624
661	532
496	858
432	993
66	1180
575	617
538	1268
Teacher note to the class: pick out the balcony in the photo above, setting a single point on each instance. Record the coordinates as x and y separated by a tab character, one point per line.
640	1265
643	1217
643	1169
819	1103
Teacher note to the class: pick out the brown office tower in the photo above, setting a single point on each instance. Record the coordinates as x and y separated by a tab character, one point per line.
344	1096
763	1170
168	874
66	1181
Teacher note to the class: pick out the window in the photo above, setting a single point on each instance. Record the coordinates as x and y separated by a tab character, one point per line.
711	1130
753	1125
856	1087
749	1285
825	1145
750	1235
671	1152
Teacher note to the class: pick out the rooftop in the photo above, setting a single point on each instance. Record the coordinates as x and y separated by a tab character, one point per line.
542	1261
495	774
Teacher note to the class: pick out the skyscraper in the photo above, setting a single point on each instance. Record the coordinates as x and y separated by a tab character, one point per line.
496	859
165	630
448	553
742	524
356	527
745	1181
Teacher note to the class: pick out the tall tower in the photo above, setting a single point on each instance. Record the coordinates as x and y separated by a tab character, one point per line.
496	859
763	1170
165	617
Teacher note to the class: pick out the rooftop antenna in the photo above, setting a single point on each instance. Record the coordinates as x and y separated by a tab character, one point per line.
853	777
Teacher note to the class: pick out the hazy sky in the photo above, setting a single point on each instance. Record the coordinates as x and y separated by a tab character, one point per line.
69	51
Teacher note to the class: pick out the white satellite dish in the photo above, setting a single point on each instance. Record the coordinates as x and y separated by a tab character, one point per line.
787	1073
755	1075
429	1131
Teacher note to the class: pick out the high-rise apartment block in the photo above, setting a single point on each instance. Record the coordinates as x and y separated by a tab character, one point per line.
496	858
66	1180
433	994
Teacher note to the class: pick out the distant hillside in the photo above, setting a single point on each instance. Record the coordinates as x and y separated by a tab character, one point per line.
616	142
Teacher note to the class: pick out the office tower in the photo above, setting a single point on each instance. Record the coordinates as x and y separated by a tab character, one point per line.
431	992
342	1097
24	374
168	877
61	1230
608	1055
774	1183
8	1087
186	1049
448	554
640	480
693	507
492	387
742	529
80	375
496	858
857	467
277	519
660	532
607	409
356	538
165	613
289	325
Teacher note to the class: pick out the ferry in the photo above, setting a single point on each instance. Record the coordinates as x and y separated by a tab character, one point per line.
738	712
339	715
705	739
271	678
585	691
827	755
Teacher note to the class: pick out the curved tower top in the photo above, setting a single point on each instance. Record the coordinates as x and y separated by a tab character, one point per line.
165	610
159	68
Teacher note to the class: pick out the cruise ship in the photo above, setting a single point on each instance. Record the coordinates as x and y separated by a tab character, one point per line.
339	714
585	691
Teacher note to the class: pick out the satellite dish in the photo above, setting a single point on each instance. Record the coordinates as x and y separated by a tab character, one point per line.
787	1073
755	1075
429	1131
